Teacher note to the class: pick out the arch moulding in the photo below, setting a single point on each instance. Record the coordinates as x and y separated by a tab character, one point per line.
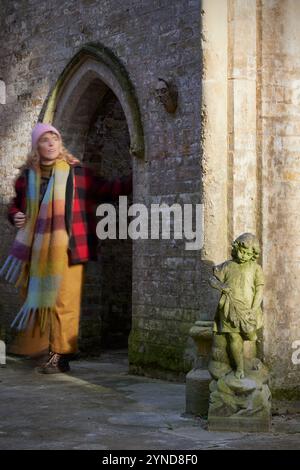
95	61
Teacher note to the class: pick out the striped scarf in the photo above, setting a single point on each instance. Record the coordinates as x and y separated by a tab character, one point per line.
35	261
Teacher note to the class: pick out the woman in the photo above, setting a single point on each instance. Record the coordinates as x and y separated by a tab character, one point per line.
54	210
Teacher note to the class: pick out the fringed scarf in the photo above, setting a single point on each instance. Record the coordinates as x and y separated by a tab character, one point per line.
35	261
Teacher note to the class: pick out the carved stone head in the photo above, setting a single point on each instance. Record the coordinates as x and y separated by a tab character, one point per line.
167	95
245	248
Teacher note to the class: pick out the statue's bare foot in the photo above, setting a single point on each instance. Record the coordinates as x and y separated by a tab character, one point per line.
239	373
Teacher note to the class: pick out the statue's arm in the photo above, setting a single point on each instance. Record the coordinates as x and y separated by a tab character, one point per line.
216	284
259	288
217	280
258	297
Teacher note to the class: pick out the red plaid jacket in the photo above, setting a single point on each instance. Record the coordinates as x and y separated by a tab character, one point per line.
80	212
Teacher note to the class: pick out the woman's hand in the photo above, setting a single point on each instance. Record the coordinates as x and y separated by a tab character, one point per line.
19	219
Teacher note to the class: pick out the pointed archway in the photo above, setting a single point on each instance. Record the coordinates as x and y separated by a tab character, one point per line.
95	107
94	62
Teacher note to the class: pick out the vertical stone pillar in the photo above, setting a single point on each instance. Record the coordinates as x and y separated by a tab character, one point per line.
243	165
214	129
251	145
280	127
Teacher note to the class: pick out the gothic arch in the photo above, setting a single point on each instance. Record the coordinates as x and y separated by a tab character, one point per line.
95	63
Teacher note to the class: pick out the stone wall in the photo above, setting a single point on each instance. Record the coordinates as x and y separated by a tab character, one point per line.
250	141
152	39
280	127
251	146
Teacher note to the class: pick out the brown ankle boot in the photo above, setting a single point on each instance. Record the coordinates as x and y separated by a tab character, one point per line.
57	363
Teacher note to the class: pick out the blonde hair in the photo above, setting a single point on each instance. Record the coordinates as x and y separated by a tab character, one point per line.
33	158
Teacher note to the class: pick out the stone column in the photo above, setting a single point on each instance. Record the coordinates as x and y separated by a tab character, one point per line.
280	128
214	129
251	144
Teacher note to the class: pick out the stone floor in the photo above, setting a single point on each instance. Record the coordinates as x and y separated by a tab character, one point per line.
98	405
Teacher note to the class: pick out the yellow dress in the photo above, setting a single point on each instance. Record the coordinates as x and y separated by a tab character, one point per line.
61	334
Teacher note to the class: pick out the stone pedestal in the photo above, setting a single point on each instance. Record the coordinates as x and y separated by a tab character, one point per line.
197	392
198	379
238	404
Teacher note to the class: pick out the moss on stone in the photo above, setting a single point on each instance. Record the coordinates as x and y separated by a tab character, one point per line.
286	394
153	353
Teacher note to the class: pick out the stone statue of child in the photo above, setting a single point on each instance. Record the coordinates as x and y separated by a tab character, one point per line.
239	313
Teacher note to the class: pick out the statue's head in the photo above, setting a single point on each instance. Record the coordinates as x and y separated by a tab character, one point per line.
245	248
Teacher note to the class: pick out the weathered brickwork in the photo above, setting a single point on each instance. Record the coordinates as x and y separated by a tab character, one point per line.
107	299
158	281
248	176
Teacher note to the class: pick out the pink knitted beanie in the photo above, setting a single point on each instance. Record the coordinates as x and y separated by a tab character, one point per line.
39	129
